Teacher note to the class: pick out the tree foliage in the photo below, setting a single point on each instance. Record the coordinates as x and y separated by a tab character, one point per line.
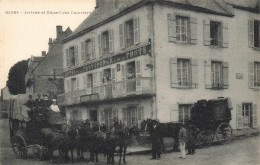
16	77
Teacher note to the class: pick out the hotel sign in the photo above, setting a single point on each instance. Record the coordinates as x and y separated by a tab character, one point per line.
110	60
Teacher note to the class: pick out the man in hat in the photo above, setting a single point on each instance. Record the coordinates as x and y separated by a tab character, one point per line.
38	101
156	142
54	107
182	141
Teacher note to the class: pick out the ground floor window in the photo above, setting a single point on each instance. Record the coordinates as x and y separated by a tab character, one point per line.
184	112
247	114
76	115
110	116
133	116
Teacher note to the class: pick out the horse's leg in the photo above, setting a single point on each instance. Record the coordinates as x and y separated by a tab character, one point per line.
78	153
71	153
96	154
81	154
120	153
162	143
124	153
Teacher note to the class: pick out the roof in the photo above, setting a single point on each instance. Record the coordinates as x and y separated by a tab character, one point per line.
109	8
253	4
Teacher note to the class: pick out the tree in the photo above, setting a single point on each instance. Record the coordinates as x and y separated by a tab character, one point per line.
16	77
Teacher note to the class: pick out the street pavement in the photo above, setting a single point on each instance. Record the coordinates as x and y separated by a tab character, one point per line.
243	151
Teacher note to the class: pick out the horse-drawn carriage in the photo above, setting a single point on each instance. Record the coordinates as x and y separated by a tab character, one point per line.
211	118
31	131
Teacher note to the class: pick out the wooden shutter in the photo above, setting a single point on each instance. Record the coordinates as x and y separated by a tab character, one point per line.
138	75
206	32
113	77
99	46
124	116
173	72
225	75
174	112
102	116
121	35
82	49
95	79
77	83
239	116
225	34
67	58
93	55
193	30
111	40
76	54
100	78
194	73
68	85
171	28
140	113
136	30
85	81
251	74
123	71
254	116
251	35
88	85
207	74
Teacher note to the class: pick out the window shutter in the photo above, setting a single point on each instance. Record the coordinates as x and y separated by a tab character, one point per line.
85	81
140	113
251	74
136	30
88	82
102	116
93	56
95	79
138	75
111	41
99	46
113	77
100	78
174	112
239	116
206	32
225	75
68	86
82	48
207	74
225	35
76	55
171	28
194	73
251	33
173	72
77	83
254	116
124	116
121	35
123	70
67	58
193	30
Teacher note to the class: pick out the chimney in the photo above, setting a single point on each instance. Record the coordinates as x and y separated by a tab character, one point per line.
50	43
43	53
59	31
98	3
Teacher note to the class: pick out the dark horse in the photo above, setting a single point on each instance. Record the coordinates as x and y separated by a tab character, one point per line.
166	130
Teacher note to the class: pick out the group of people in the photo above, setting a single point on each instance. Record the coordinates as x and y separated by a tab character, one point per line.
187	136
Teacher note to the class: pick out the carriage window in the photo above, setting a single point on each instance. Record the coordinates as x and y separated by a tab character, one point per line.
184	112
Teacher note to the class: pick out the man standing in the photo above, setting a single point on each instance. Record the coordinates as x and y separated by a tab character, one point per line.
38	101
156	143
191	139
182	141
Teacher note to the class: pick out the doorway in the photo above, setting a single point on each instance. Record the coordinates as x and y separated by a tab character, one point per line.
93	115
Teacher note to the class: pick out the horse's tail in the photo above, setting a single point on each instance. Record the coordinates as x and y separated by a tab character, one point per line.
145	128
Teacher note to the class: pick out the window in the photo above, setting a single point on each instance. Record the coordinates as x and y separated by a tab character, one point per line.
88	49
181	29
254	33
183	70
76	115
184	112
129	33
130	116
111	116
216	74
183	73
73	84
105	43
215	33
257	74
246	114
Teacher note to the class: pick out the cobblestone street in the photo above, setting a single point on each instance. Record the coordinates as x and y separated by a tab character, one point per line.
241	151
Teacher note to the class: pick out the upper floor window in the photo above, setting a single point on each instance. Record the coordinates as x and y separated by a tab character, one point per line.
88	49
216	74
129	33
106	42
254	74
71	56
215	33
74	84
182	29
254	33
184	73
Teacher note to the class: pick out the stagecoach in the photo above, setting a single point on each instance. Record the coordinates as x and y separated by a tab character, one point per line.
211	118
26	130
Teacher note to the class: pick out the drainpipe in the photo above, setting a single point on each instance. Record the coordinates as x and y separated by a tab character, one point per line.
154	115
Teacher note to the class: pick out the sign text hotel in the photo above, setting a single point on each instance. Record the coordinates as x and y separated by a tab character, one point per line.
110	60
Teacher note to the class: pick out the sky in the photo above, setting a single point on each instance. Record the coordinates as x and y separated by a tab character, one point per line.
27	25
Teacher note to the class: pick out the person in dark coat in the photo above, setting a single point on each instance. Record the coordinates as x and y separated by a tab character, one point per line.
38	101
156	143
30	102
191	139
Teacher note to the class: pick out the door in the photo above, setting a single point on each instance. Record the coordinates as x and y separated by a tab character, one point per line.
131	117
93	115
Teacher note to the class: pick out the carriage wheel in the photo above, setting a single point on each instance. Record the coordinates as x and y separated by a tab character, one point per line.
37	152
224	133
204	138
19	146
